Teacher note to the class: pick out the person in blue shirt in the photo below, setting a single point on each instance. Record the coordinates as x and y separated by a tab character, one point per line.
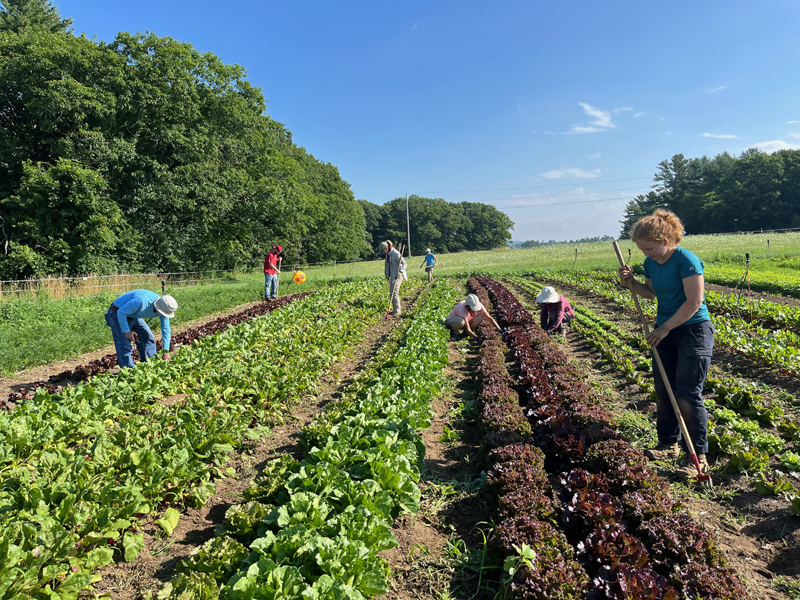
683	334
429	262
126	317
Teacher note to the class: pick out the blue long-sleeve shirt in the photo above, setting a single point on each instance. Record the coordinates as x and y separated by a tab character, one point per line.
138	304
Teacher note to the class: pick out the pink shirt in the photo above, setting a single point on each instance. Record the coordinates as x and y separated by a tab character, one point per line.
462	312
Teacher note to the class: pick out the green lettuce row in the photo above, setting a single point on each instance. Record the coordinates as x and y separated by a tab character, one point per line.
314	529
82	468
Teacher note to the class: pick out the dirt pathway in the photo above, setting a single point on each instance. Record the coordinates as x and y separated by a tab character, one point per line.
127	581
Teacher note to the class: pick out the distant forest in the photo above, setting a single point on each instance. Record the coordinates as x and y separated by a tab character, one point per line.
723	194
144	154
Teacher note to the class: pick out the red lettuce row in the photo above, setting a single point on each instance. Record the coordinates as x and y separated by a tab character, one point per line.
517	475
601	511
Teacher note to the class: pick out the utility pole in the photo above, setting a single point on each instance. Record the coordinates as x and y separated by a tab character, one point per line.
408	228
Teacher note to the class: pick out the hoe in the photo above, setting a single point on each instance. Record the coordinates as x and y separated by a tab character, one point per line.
702	477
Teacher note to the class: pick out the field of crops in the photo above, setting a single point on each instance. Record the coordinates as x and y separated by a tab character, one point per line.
311	448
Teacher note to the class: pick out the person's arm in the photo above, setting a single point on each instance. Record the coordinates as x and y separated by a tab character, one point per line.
123	312
645	290
468	329
278	265
693	288
387	270
490	317
166	336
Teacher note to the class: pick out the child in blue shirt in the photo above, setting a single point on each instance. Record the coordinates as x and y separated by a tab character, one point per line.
683	334
429	262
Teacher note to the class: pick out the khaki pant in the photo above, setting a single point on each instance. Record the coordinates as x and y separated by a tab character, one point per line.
456	324
395	292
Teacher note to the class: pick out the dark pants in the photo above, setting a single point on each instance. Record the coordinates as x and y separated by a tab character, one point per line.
686	355
551	318
146	344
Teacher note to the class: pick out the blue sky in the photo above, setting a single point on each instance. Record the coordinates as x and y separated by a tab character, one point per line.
557	112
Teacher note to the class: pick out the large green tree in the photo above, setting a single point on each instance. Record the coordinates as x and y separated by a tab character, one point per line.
32	16
166	156
713	195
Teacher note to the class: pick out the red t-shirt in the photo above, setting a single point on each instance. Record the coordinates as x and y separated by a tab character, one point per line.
271	264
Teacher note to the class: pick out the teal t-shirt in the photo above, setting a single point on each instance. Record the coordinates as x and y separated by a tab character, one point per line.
667	281
430	259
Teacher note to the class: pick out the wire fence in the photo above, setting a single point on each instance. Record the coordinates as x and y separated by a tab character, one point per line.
70	287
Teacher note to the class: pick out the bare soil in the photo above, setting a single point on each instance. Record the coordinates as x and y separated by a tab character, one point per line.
760	539
155	565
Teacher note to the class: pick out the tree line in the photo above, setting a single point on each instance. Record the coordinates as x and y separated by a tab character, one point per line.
144	154
437	224
722	194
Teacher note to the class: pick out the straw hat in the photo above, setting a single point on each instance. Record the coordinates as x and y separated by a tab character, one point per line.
474	303
547	296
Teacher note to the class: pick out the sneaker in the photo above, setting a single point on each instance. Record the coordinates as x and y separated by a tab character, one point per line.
688	470
663	452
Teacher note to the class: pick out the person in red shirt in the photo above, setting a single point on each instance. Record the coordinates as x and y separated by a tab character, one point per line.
272	268
557	312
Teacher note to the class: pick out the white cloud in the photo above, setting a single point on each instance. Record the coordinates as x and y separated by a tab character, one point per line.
602	120
793	135
596	155
414	28
726	136
549	133
572	172
775	145
716	89
639	114
792	122
616	111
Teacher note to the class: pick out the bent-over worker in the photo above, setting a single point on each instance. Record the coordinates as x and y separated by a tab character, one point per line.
466	316
126	317
557	312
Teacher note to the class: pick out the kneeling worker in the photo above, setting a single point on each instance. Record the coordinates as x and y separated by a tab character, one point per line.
467	315
126	318
557	312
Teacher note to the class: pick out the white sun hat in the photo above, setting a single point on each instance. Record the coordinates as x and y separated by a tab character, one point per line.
474	303
547	296
166	306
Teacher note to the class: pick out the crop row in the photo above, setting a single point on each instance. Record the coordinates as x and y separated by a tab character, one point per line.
82	469
104	364
313	529
628	534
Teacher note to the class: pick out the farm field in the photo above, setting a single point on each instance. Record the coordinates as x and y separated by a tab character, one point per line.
320	450
36	330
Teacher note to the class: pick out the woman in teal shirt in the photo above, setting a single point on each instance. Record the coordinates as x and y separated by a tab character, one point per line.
683	334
